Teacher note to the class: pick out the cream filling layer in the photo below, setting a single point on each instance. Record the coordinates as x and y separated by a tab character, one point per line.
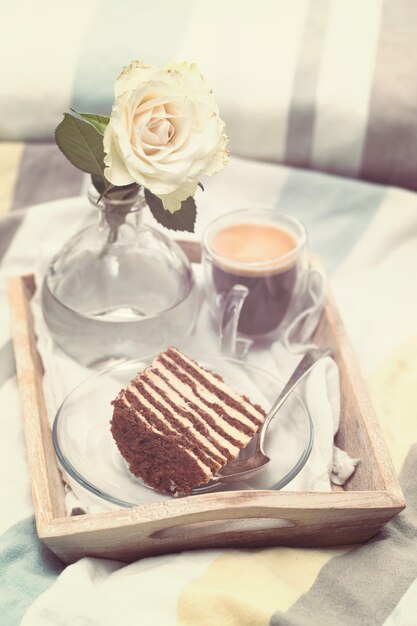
166	423
182	398
185	422
185	390
258	415
207	471
212	398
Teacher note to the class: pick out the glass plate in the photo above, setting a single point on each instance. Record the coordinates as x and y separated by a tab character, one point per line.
87	452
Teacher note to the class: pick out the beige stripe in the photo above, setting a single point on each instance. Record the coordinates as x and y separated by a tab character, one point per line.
248	54
10	156
245	588
344	86
392	386
406	610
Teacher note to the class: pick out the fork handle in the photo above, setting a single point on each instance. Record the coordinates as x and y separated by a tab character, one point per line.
309	360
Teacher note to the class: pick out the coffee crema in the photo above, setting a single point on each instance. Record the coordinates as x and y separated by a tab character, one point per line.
243	246
259	257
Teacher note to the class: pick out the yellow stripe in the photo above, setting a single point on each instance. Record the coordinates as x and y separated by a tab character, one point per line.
10	156
244	588
392	387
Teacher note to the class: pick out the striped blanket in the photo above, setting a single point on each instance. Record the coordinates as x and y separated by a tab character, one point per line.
327	85
367	236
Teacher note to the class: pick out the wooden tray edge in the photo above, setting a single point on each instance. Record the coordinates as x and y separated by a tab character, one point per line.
350	371
43	467
46	481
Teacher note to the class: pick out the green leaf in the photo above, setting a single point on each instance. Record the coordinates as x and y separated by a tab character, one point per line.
183	219
113	193
101	184
99	122
81	143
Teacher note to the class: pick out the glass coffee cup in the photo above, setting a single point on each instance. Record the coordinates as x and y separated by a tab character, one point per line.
256	268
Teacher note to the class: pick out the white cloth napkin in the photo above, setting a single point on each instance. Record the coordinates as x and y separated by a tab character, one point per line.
320	392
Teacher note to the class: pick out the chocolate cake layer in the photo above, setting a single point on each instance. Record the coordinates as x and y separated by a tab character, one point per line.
177	423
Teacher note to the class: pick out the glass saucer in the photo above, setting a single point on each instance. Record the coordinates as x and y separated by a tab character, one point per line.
88	454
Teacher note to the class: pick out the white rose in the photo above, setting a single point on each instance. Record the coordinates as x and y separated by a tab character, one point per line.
164	131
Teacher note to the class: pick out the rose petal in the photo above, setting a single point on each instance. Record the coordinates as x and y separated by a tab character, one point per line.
132	75
116	171
164	130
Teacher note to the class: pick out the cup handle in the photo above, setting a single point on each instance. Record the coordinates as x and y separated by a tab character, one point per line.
230	344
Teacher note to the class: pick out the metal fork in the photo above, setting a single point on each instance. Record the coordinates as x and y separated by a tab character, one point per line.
238	470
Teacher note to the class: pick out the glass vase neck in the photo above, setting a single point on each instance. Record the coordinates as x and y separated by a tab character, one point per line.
120	214
119	200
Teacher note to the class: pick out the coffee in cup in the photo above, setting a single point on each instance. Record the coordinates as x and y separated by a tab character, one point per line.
255	255
262	252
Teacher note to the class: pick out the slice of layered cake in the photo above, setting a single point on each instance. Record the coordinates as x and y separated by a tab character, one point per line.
178	423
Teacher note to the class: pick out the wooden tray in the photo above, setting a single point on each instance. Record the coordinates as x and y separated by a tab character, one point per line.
239	518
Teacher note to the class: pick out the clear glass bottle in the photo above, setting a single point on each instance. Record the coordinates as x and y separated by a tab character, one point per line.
119	289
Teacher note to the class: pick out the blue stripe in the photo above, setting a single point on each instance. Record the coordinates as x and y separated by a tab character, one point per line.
27	569
45	175
8	228
336	211
7	362
148	30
